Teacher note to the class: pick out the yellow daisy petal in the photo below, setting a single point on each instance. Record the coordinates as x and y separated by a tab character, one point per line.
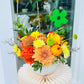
66	51
35	34
39	43
18	52
15	47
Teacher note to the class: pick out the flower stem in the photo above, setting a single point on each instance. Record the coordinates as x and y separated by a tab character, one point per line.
38	15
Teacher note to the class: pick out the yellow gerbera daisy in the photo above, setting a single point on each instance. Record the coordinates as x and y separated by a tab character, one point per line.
44	55
35	34
66	51
38	43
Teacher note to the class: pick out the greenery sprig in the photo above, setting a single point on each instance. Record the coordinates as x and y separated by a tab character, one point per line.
21	29
37	66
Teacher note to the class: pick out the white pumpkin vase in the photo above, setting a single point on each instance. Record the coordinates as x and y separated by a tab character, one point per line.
45	71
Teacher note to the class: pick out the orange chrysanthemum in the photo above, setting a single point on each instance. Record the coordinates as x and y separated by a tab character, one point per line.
27	53
56	50
44	55
28	40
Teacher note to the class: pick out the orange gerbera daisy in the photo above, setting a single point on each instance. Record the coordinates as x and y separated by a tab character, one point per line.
27	53
28	40
44	55
56	50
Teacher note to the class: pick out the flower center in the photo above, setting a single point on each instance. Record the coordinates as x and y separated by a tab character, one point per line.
58	17
58	48
44	55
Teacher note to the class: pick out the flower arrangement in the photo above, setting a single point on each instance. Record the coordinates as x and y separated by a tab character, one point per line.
39	49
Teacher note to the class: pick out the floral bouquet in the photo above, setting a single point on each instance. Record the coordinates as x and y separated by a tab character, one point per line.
39	49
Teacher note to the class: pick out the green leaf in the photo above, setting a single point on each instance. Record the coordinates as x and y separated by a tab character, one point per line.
35	69
60	31
20	25
37	66
68	28
18	20
16	30
22	29
46	17
27	4
30	31
64	60
33	5
26	31
22	33
15	23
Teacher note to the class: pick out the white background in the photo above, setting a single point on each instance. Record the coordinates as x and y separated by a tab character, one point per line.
8	72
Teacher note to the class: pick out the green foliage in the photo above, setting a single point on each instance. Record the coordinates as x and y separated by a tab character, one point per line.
68	28
18	20
21	29
17	23
46	18
37	66
60	31
62	59
27	4
28	32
